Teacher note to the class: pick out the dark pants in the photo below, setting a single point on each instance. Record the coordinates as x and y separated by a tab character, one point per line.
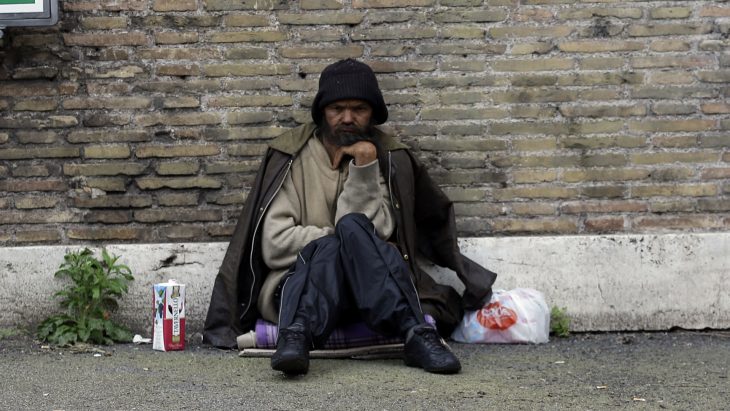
349	276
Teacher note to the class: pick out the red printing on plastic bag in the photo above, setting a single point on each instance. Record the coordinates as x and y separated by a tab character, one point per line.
495	316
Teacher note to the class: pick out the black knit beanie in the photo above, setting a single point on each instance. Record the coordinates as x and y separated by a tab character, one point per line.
349	79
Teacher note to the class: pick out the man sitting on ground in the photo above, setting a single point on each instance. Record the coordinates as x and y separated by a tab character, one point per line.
330	234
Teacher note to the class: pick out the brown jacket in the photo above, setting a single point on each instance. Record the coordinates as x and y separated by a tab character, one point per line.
424	225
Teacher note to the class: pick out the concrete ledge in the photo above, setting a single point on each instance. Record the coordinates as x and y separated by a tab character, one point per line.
627	282
607	283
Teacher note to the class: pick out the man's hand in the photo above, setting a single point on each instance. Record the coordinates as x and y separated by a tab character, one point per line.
364	152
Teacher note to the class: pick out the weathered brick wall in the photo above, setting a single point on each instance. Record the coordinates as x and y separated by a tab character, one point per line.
142	121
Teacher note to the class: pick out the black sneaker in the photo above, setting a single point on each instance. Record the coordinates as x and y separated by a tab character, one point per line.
292	352
424	348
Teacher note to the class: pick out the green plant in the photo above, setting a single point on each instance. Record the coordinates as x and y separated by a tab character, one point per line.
89	300
559	322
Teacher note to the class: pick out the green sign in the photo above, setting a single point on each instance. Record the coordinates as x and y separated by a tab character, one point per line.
19	13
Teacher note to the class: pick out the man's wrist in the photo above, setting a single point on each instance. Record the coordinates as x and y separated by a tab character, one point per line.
364	160
363	165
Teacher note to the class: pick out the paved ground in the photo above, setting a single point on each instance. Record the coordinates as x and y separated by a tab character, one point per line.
676	370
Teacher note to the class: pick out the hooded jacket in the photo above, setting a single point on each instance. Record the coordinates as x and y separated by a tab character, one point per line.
425	226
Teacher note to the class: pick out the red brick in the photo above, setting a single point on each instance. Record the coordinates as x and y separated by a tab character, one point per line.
604	224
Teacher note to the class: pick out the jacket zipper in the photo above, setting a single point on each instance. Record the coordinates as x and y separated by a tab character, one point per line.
253	244
393	201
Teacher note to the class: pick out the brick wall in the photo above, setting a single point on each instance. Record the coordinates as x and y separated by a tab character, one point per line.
142	121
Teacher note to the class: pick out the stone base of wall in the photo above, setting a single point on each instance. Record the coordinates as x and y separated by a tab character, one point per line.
606	283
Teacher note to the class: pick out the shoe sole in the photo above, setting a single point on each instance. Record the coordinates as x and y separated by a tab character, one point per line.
453	369
297	366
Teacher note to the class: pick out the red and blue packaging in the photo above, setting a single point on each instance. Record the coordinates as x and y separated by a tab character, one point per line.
168	329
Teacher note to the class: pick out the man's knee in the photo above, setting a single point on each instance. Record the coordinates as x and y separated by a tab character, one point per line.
352	223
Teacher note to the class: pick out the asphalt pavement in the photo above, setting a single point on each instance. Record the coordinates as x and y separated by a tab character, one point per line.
679	370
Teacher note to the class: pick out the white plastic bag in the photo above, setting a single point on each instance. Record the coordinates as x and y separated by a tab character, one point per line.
515	316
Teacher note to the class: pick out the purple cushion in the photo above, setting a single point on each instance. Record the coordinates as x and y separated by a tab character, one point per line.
349	336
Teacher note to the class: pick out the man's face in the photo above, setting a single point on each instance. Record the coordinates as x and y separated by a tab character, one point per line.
348	117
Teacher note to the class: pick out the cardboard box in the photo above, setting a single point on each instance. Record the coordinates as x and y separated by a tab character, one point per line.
168	329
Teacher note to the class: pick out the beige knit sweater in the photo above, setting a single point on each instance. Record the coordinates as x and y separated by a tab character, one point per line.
312	199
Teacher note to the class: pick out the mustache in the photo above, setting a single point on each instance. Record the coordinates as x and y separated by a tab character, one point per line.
348	138
348	135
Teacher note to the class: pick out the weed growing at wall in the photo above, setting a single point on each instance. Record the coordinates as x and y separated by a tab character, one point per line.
89	298
559	322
